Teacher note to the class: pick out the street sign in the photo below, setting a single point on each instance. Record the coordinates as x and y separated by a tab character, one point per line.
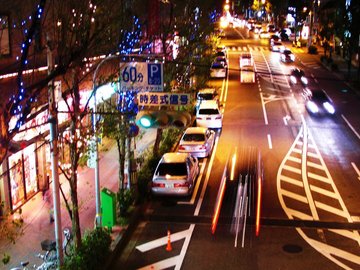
140	76
163	99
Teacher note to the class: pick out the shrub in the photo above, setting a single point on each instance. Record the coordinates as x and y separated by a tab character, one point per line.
93	253
312	49
125	198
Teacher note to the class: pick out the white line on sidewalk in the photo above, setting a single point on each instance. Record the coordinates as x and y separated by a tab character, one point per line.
356	169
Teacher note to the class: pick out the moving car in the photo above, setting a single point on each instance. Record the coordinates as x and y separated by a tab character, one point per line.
198	141
318	102
264	34
209	115
298	76
217	70
287	56
276	46
175	174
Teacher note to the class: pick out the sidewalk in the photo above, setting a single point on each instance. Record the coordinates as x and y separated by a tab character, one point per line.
37	226
351	78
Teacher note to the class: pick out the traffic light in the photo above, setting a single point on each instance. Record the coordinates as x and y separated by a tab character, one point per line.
163	119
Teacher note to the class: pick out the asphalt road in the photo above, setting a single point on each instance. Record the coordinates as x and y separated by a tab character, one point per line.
310	204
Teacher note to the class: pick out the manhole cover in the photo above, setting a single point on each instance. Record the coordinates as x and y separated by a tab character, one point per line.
292	248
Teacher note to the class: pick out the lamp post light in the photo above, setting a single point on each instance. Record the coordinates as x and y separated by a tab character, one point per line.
95	143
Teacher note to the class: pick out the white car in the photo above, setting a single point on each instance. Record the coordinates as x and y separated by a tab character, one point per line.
277	46
217	70
209	115
175	174
198	141
206	94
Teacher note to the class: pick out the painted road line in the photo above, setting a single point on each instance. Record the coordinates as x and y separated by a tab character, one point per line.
351	127
162	241
269	141
196	189
323	191
294	196
164	264
356	169
263	107
185	247
198	206
293	181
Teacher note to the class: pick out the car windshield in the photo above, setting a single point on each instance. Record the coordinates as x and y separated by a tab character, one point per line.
319	96
297	72
287	52
175	169
208	111
194	137
217	66
206	96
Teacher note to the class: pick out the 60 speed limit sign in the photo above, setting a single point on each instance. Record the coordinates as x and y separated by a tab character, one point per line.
139	76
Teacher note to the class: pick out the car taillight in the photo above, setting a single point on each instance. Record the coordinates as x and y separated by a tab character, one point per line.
178	185
218	117
199	118
181	147
202	147
162	185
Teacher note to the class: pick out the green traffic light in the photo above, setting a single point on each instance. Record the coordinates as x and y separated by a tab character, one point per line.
145	121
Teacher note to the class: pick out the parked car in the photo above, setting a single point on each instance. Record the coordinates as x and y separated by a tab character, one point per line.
298	76
198	141
217	70
287	56
318	102
206	94
175	174
221	60
209	115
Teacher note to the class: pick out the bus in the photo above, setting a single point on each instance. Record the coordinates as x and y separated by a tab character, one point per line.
247	69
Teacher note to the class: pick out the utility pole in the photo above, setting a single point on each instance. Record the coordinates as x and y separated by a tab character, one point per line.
54	157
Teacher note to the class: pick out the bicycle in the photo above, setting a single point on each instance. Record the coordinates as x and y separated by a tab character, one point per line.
50	256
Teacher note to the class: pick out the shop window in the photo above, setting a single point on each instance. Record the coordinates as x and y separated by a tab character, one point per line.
4	35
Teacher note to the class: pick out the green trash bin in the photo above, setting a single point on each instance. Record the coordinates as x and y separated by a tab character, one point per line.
108	208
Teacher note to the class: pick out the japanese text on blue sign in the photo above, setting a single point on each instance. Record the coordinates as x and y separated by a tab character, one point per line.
163	99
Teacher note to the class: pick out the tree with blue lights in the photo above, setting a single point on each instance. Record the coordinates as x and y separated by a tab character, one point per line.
77	32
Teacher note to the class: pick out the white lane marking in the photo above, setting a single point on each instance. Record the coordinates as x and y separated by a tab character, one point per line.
185	247
197	183
164	264
269	141
198	206
356	169
263	107
350	126
162	241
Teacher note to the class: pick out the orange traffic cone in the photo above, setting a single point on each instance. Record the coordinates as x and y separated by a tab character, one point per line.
168	246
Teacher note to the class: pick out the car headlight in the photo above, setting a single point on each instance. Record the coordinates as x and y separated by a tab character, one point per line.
312	107
293	79
329	108
304	80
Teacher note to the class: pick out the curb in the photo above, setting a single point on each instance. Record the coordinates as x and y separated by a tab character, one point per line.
123	238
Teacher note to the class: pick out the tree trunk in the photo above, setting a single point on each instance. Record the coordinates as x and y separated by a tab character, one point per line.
159	133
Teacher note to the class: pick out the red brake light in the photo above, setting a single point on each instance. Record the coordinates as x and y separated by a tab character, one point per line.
177	185
181	147
162	185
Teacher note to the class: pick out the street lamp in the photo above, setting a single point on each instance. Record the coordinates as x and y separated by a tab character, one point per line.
95	142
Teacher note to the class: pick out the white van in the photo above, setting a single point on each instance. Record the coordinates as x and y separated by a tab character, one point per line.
247	69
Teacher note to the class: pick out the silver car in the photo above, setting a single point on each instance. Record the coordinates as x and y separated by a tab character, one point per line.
175	174
198	141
